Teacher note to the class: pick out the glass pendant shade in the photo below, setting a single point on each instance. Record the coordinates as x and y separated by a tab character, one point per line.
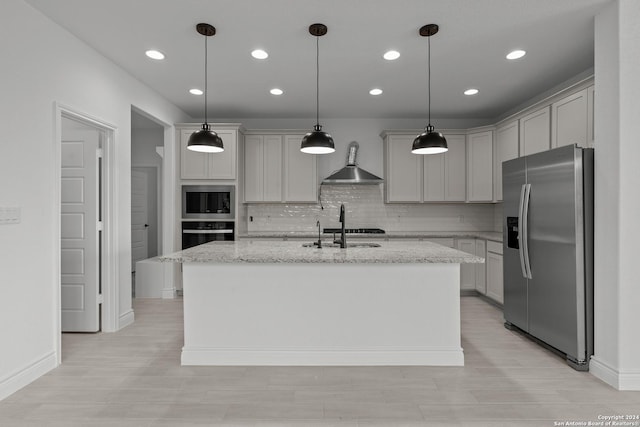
205	141
429	142
317	142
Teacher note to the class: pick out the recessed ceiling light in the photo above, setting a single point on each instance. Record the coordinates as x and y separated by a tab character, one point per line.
195	91
471	92
259	54
375	91
155	54
391	55
276	91
516	54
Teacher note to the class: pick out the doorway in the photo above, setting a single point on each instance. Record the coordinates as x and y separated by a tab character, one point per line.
147	145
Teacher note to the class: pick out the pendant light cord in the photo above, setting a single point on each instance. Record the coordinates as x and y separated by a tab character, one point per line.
317	81
206	60
429	76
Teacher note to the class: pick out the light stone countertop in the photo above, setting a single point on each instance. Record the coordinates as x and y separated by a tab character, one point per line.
487	235
260	251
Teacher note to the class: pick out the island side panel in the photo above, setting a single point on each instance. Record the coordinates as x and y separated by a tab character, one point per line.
322	314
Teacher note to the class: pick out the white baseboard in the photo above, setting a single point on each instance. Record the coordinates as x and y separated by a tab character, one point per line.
27	375
629	380
243	357
126	319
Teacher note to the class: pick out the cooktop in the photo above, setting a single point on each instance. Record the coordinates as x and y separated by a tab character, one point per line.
354	230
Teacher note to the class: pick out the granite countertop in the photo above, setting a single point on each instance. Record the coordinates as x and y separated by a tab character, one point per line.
487	235
260	251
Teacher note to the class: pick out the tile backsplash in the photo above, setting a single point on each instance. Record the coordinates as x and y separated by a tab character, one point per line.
365	208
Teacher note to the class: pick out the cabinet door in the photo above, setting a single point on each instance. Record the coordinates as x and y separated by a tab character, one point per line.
193	165
253	168
223	165
272	167
455	182
569	120
494	277
467	271
434	177
301	176
480	167
506	149
535	132
403	170
481	278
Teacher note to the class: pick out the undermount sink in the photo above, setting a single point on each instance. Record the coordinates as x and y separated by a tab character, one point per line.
349	245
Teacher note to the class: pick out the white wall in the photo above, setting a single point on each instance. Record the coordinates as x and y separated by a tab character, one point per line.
41	67
617	201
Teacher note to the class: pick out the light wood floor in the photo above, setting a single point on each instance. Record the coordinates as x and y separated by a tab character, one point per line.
133	378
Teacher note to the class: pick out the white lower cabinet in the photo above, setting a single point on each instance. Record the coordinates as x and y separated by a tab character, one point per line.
480	269
467	271
495	287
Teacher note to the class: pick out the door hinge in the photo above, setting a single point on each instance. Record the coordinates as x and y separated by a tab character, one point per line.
100	299
100	226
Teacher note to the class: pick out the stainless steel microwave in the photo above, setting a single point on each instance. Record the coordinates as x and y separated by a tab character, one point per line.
208	201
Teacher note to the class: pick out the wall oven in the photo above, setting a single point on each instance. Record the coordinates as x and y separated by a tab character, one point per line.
196	233
208	202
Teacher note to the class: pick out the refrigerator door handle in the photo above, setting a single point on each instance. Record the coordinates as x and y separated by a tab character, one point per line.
525	231
521	236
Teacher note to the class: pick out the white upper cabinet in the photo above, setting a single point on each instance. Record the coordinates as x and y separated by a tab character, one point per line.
300	172
196	165
569	120
507	137
275	170
403	170
535	132
455	163
480	166
424	178
263	168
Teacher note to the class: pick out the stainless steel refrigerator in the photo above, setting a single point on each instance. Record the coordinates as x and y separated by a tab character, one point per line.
548	249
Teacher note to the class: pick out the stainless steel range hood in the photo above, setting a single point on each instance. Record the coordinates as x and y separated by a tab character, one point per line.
352	174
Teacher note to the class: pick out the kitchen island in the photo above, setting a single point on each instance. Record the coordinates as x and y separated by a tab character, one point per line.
279	303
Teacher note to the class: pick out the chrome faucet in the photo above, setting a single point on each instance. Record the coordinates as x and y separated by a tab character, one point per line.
343	239
319	242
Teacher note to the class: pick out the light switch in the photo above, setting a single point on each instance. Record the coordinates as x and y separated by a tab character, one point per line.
9	215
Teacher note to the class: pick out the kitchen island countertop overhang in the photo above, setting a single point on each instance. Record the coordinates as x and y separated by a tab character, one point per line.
278	303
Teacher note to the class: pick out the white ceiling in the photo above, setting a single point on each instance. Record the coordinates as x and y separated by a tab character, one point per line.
469	51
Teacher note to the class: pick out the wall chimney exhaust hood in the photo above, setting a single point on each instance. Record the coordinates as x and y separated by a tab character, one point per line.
352	174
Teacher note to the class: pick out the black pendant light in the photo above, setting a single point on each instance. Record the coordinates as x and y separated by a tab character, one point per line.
317	141
205	140
429	141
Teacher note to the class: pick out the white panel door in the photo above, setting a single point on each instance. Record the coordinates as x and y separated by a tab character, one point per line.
434	173
273	168
79	231
139	217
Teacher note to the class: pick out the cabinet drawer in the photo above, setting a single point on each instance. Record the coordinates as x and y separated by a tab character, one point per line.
494	247
444	241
